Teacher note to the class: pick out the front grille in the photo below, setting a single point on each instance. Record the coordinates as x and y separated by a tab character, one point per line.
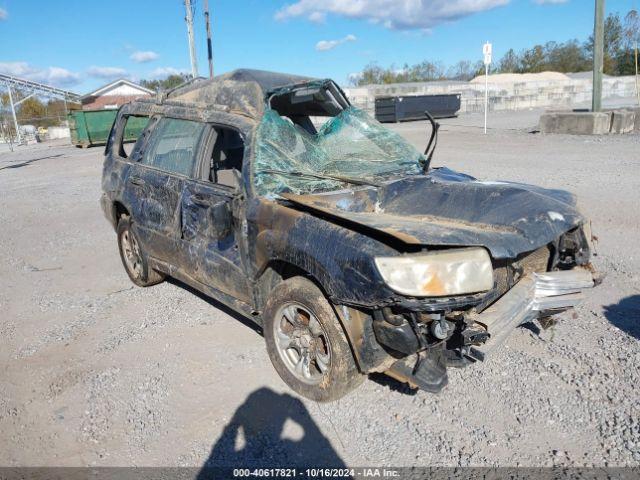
507	273
535	262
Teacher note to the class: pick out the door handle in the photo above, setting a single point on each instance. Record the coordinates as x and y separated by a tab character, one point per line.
137	181
200	200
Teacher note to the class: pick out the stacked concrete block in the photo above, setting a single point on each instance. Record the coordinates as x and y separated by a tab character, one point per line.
636	123
622	121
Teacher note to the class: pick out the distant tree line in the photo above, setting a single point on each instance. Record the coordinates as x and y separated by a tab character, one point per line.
621	37
167	83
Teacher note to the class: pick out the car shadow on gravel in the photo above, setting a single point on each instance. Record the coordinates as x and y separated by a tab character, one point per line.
254	438
220	306
625	315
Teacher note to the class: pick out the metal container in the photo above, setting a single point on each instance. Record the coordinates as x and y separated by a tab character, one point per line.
412	107
91	127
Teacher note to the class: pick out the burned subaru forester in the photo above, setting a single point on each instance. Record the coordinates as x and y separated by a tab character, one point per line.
275	196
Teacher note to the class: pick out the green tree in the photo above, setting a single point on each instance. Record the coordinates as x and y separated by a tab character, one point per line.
32	112
613	42
510	62
566	57
533	60
167	83
463	70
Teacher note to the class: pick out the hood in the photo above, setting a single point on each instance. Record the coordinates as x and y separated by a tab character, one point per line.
445	208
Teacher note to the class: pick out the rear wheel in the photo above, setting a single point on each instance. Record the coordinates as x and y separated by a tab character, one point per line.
306	343
133	258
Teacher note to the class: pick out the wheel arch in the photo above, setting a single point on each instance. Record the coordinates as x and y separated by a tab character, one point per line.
119	210
276	271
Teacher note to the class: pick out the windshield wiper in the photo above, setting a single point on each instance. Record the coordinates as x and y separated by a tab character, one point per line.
338	178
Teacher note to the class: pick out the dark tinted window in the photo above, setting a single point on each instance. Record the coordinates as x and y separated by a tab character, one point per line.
173	145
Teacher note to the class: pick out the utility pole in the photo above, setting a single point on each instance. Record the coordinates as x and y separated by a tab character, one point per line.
13	112
209	47
487	49
192	45
598	56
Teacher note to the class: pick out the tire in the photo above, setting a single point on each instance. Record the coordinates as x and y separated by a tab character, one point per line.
133	258
318	364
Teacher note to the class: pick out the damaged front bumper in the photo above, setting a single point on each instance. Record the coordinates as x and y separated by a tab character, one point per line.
534	296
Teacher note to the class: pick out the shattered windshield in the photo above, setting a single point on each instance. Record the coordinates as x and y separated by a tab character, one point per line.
351	148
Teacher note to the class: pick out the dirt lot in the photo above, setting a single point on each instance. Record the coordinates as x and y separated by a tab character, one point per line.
94	371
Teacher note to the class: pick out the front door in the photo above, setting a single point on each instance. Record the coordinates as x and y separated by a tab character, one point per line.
211	219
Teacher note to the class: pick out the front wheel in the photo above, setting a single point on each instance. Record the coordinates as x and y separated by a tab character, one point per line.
306	342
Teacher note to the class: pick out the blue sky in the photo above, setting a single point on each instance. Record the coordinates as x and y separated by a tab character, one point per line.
82	44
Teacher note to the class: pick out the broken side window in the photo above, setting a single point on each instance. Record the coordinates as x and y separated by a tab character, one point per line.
226	157
351	145
133	128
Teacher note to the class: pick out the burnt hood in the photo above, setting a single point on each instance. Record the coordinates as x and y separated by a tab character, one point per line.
446	208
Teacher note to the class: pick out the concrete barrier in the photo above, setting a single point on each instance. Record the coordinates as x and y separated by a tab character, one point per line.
636	122
622	121
576	123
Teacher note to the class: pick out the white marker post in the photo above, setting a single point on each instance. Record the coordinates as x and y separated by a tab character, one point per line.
486	50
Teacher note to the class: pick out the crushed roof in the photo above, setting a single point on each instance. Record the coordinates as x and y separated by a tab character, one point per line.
240	91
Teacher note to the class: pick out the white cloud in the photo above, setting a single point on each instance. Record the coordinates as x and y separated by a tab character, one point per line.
164	72
324	45
393	14
109	73
3	14
144	56
317	17
56	76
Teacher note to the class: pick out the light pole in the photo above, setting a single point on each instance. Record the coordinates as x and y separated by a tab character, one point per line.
192	45
13	112
598	56
487	51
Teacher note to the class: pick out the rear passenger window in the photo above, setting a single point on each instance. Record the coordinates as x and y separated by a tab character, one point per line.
133	128
173	145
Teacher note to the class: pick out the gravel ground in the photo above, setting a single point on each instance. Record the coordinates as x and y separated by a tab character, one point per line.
95	371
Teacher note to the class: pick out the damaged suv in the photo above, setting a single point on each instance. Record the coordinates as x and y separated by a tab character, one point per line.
340	241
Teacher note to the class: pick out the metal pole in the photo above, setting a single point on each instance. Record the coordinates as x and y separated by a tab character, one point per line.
6	136
637	87
66	111
598	56
486	95
13	112
209	47
192	45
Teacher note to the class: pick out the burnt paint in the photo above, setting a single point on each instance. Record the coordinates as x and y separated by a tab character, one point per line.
332	237
446	209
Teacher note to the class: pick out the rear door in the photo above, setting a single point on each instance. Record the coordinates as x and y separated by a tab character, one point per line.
212	212
155	183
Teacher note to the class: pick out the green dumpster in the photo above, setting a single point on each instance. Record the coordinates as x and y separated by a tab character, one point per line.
92	127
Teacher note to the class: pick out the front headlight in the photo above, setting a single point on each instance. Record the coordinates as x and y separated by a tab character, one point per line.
440	273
